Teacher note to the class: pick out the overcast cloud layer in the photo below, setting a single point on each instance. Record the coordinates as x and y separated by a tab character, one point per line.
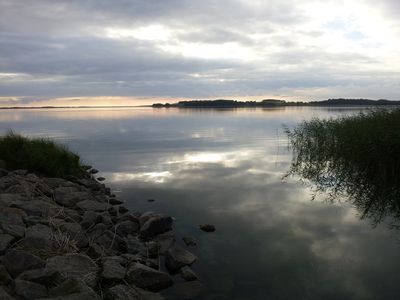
294	49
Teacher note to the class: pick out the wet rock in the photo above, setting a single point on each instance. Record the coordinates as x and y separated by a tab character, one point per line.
177	257
165	241
148	278
94	171
207	227
188	274
5	242
4	295
123	292
5	277
93	205
90	184
122	209
86	167
115	201
113	211
127	227
97	230
156	224
189	241
75	265
113	270
17	261
101	178
42	276
29	290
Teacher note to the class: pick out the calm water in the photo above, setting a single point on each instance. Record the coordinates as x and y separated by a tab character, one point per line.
225	167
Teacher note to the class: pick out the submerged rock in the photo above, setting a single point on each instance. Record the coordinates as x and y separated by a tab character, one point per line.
177	257
188	274
207	227
148	278
189	241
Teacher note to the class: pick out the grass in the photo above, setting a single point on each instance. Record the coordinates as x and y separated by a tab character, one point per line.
356	156
39	155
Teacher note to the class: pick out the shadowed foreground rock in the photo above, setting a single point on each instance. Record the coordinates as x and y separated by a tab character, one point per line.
69	239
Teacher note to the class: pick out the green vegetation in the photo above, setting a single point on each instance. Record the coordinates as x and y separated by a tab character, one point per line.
355	156
40	155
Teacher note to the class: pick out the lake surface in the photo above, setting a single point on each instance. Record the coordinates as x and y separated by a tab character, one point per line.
225	167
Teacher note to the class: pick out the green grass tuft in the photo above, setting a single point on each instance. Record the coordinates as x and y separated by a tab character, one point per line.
39	155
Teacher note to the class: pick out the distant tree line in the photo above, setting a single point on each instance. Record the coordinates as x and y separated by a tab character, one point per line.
223	103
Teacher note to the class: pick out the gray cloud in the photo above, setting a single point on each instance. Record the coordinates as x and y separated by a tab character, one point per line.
227	48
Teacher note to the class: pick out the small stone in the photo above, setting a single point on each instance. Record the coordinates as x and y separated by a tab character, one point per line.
188	274
17	231
122	209
113	211
86	167
10	215
94	171
101	178
73	289
177	257
207	227
29	290
148	278
151	200
189	241
17	261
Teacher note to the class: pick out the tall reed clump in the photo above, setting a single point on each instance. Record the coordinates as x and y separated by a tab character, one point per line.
39	155
356	156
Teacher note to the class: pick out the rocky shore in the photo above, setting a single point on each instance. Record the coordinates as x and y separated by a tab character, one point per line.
73	239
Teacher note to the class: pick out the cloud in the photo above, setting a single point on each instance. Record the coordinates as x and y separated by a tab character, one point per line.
187	49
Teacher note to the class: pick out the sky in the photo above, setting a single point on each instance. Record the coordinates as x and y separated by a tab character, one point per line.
128	52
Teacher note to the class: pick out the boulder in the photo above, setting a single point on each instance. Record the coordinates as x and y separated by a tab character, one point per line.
5	242
189	241
112	270
93	205
5	277
156	224
73	289
177	257
125	228
75	232
11	215
147	278
16	231
17	261
69	196
29	290
123	292
165	241
89	219
75	265
4	295
207	227
188	274
115	201
111	242
42	276
134	245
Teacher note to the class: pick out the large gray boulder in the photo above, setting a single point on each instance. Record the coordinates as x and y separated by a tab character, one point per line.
69	196
72	289
75	265
113	270
127	227
42	276
17	261
177	257
147	278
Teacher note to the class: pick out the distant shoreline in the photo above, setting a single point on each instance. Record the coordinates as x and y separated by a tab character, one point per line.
54	107
222	103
